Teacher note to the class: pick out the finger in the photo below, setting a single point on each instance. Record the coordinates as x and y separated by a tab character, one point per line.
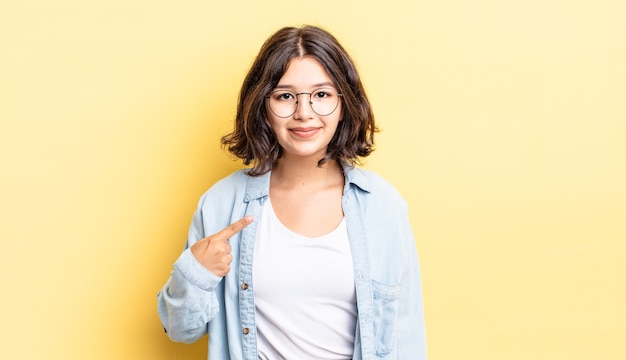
224	248
233	228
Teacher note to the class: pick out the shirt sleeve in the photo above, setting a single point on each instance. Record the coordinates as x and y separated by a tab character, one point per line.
411	329
188	300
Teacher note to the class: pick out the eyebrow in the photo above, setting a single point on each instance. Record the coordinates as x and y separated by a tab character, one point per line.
314	86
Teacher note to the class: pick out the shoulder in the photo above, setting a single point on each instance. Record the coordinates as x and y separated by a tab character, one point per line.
227	187
235	179
375	186
239	186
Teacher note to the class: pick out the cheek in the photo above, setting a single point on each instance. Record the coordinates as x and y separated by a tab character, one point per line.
274	124
271	121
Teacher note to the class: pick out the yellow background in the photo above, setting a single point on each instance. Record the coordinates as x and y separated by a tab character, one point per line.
504	126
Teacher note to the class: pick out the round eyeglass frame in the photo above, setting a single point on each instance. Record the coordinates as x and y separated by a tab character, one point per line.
339	95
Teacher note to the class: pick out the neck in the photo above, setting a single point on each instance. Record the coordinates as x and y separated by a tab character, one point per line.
305	174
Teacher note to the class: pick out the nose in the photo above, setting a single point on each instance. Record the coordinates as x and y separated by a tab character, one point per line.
304	110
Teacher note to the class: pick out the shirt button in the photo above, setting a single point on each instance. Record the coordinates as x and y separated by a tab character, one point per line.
244	286
246	331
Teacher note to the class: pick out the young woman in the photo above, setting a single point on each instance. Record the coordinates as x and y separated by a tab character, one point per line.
303	255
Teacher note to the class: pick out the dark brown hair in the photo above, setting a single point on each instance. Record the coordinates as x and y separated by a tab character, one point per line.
253	139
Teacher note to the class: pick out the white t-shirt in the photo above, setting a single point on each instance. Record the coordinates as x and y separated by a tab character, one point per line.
304	292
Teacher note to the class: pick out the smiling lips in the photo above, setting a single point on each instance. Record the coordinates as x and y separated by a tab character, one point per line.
304	132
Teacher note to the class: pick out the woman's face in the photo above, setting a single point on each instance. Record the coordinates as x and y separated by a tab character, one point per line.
304	89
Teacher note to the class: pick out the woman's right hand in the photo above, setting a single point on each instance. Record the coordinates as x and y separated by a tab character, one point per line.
213	252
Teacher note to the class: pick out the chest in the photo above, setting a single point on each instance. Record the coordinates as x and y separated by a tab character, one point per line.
308	213
289	263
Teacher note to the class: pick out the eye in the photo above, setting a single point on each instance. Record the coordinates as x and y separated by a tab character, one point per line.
323	93
283	96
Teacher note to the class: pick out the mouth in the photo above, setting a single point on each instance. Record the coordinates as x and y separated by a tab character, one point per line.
304	132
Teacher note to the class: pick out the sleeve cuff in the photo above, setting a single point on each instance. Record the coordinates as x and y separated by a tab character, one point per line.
195	273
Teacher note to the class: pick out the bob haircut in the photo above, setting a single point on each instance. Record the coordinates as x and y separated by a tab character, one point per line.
253	139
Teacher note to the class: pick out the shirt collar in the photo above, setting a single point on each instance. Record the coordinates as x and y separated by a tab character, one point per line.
356	177
258	187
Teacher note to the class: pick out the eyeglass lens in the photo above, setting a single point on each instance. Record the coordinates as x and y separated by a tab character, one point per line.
284	103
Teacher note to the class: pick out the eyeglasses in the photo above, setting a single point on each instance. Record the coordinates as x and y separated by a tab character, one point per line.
284	103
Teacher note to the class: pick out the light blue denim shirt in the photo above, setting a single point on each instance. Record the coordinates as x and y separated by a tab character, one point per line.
390	322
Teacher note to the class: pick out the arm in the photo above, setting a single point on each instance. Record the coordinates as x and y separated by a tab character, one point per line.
188	301
411	331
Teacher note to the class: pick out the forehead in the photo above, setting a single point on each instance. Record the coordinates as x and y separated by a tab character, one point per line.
304	73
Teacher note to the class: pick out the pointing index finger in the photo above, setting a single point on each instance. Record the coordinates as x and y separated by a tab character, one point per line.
234	228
